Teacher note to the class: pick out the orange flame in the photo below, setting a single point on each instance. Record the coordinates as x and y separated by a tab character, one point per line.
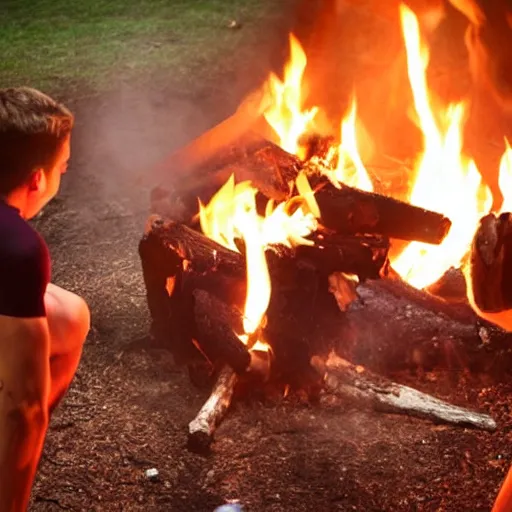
446	181
232	214
350	169
285	113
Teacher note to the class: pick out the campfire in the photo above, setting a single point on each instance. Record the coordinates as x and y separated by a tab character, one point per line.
282	259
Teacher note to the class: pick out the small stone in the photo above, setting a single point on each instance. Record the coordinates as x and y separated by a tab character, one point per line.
230	507
234	24
152	474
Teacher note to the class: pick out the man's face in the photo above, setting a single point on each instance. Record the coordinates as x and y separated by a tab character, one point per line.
45	184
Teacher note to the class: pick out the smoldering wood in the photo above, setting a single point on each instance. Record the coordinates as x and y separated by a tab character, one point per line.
215	327
364	255
202	428
450	286
195	263
360	386
490	266
416	330
171	319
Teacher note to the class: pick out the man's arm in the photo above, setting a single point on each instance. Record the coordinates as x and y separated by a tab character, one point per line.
24	390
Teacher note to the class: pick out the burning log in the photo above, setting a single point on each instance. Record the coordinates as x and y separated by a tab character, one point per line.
303	314
491	264
191	261
272	170
202	427
419	330
266	165
216	324
361	386
209	262
351	211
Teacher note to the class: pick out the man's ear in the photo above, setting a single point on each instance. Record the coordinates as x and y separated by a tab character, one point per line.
37	180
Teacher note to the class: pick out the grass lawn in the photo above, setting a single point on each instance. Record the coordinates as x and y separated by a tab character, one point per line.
58	44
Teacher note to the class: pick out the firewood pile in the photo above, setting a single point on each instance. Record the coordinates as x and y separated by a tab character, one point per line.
339	318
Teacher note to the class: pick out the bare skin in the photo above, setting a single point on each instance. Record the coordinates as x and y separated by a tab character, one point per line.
25	378
68	320
39	357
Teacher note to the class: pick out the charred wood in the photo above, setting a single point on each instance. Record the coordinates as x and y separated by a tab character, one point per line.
414	329
186	249
215	327
450	286
490	268
349	210
171	317
266	165
272	171
360	386
392	326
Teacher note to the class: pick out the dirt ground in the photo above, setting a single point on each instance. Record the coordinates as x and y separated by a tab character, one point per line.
128	408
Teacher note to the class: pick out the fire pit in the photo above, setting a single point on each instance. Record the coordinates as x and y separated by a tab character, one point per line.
302	270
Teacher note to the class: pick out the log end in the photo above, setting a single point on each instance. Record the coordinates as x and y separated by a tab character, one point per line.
199	442
490	267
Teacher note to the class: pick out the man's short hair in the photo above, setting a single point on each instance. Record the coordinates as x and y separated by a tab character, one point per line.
33	128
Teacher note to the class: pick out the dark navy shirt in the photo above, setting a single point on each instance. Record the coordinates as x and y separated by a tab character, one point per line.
24	266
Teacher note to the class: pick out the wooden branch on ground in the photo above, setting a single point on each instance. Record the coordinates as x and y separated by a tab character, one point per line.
363	387
202	428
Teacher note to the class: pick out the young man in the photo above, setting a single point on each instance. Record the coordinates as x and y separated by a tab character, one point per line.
42	326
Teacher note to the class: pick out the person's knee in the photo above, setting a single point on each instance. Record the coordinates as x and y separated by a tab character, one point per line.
79	318
68	317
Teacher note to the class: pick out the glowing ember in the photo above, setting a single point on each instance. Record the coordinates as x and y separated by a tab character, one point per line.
231	214
285	114
446	182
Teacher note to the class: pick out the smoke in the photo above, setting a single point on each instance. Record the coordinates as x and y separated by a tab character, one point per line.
120	136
